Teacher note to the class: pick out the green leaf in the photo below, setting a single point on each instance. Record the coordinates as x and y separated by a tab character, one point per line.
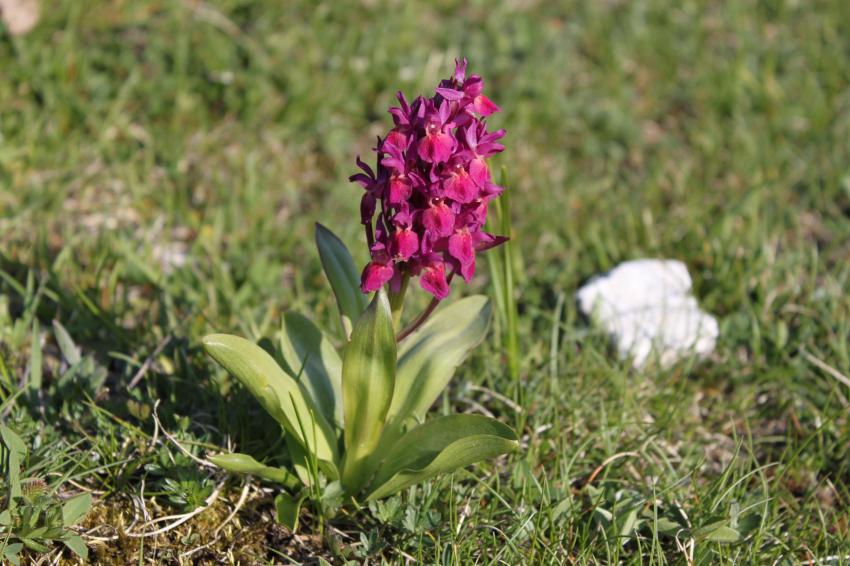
245	464
16	451
279	394
427	359
299	460
66	344
438	446
11	551
343	276
308	352
74	509
368	379
34	545
35	359
719	531
76	544
288	509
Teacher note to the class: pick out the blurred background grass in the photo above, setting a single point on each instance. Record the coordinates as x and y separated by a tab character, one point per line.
162	164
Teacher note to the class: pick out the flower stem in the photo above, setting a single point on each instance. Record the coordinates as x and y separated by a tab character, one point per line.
419	320
423	315
397	301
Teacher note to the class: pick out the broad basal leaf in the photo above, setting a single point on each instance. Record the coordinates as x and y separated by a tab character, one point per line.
278	393
719	531
343	276
310	355
441	445
368	379
75	543
288	509
427	359
75	509
245	464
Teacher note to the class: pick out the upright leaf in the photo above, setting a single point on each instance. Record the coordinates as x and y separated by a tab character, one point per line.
70	351
35	360
13	454
427	359
308	352
368	380
279	394
441	445
343	276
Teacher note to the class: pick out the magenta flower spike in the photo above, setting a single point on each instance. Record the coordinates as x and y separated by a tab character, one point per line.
431	188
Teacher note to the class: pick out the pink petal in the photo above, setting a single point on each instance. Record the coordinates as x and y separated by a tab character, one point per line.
439	219
484	105
444	112
450	93
374	276
460	70
479	172
467	270
473	86
436	148
460	187
406	243
396	139
400	190
433	280
461	248
471	136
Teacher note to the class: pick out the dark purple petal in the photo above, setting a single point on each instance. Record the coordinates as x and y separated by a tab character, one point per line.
361	178
367	208
484	241
365	167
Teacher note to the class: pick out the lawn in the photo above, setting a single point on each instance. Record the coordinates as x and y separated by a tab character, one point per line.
162	166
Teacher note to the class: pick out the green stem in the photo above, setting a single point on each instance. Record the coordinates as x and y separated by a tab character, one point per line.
397	301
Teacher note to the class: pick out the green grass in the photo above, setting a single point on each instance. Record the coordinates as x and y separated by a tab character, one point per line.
717	133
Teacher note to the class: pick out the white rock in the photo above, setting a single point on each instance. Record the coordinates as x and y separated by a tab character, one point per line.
20	16
647	308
